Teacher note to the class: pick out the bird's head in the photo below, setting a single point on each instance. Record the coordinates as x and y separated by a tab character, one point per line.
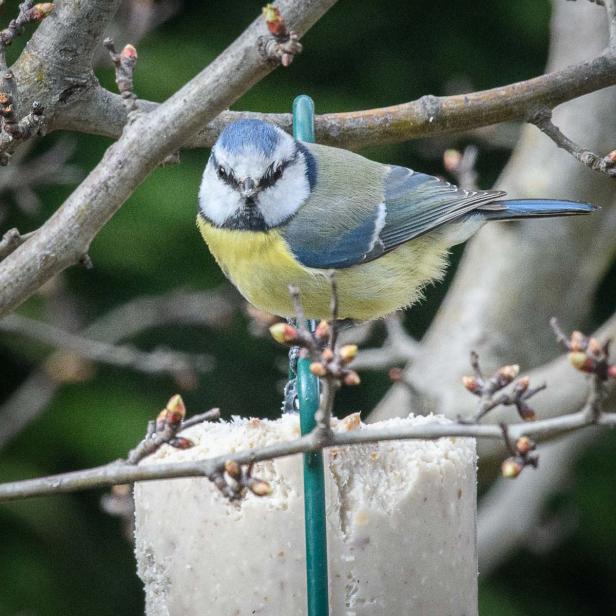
257	177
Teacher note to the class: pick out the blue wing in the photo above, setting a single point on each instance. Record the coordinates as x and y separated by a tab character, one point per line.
418	203
413	204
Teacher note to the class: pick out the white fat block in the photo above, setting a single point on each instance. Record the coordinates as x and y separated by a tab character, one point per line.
401	528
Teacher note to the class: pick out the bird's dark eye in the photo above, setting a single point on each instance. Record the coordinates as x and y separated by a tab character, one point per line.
222	173
271	176
276	174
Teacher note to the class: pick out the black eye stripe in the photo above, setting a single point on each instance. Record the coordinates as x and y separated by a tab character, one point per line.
273	174
226	175
270	177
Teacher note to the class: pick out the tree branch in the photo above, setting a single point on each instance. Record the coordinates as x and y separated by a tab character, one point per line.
397	348
122	356
122	472
103	113
542	119
513	277
207	308
66	236
511	511
610	7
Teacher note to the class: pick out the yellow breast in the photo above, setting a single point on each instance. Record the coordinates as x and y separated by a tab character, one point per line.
262	267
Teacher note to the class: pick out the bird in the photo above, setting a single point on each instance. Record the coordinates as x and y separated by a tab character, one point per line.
275	211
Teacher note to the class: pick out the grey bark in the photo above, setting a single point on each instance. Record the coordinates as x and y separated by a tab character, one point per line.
515	276
66	236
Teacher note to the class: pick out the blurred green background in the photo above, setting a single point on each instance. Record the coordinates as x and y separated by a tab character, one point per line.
64	555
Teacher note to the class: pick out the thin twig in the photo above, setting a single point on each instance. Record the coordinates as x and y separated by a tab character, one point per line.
124	356
124	63
397	348
120	472
283	44
462	166
165	430
610	7
102	112
68	233
28	13
11	240
333	336
542	119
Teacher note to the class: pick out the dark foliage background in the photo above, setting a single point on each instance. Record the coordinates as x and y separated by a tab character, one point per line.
63	555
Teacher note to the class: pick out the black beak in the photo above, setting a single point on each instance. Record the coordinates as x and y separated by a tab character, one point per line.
248	188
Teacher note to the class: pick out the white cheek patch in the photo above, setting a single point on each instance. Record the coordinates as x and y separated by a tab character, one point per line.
286	196
217	200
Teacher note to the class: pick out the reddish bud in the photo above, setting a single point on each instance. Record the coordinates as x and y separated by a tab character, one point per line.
5	98
176	411
451	160
260	488
327	355
523	445
526	413
611	371
348	353
322	330
522	384
395	374
471	383
129	52
581	361
273	19
511	468
39	11
179	442
612	156
318	369
508	373
233	469
578	341
283	333
351	378
595	347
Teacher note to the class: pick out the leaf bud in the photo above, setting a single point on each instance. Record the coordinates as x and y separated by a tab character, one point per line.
451	160
348	353
578	341
508	373
524	445
180	442
273	19
322	330
318	369
471	383
283	333
327	355
233	469
39	11
511	468
522	384
581	361
260	488
595	347
176	410
526	413
129	52
351	378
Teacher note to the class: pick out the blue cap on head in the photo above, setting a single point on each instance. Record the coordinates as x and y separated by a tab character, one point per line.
249	133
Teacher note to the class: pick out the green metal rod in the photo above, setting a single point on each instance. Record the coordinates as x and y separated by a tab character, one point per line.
308	396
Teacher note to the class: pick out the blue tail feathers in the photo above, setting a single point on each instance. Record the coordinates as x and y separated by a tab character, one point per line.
533	208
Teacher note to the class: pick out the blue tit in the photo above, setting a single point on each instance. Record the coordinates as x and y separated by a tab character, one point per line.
275	211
